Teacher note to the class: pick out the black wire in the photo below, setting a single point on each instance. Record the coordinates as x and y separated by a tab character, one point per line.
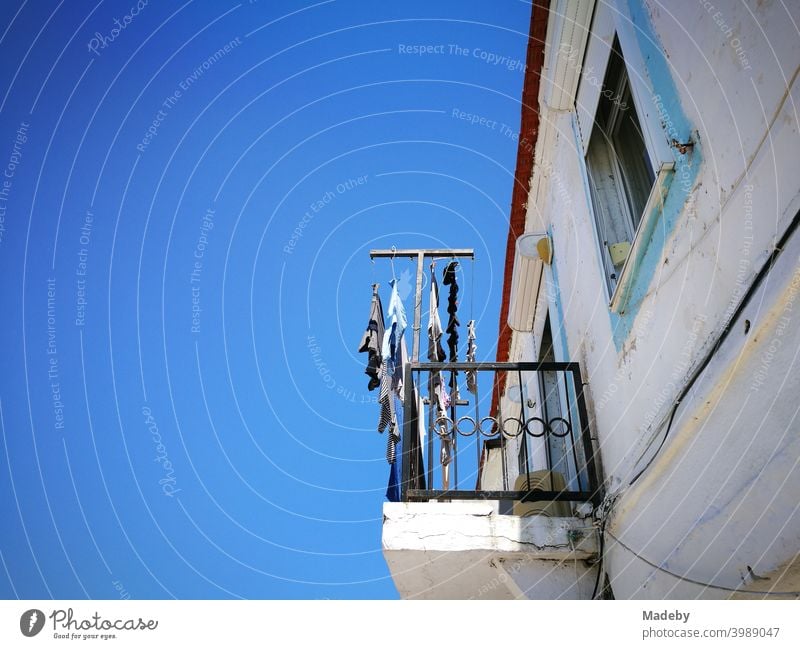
700	583
660	446
762	273
600	566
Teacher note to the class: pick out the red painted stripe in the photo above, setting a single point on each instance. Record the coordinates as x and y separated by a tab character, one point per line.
528	132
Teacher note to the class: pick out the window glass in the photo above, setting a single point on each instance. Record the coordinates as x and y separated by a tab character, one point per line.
620	173
634	163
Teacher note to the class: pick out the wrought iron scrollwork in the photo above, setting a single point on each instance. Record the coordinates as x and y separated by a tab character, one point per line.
510	427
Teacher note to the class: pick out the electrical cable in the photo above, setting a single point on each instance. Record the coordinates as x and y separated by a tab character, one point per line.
600	561
762	273
760	276
660	445
700	583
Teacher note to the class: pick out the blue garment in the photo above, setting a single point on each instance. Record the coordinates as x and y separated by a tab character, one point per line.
393	490
399	322
393	352
391	357
395	465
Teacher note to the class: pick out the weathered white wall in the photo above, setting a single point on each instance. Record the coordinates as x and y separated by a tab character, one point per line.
728	474
466	550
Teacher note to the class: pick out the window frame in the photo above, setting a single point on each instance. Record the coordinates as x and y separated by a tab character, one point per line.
610	22
626	220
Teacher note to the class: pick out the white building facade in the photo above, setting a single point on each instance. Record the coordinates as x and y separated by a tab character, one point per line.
659	251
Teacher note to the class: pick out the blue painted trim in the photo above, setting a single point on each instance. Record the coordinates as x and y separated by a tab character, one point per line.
647	227
556	302
686	170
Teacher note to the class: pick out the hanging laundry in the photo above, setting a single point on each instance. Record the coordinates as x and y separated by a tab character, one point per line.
455	395
440	399
393	489
390	351
445	439
388	356
401	358
445	458
393	438
384	401
449	279
395	388
436	353
472	375
372	340
396	412
394	418
390	375
399	322
395	356
417	468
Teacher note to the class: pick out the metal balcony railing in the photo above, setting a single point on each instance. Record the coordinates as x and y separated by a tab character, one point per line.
540	429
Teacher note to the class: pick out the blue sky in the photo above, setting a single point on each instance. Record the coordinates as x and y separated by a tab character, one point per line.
189	198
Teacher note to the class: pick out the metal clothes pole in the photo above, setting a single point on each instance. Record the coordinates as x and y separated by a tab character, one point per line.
420	254
418	307
409	448
408	430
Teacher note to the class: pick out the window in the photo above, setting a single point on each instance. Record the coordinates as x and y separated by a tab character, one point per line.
621	176
550	409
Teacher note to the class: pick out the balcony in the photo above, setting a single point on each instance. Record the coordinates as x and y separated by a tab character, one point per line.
541	417
497	505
